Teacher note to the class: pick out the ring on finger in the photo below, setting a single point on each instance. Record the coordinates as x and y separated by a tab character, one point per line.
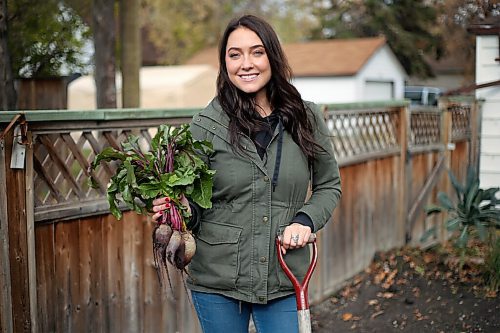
295	238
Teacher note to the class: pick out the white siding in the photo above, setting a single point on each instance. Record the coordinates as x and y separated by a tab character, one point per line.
383	66
487	70
326	89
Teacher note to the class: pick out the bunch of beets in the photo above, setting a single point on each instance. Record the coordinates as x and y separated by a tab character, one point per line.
171	168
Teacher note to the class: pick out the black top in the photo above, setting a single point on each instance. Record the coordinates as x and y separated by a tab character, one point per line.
264	136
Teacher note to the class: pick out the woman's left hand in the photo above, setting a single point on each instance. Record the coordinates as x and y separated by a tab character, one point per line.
295	236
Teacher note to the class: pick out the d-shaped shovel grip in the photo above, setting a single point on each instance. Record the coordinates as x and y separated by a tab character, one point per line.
300	288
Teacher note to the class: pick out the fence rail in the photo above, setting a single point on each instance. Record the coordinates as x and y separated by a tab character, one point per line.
72	261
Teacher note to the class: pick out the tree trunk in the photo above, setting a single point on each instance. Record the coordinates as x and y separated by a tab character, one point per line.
103	18
130	29
7	91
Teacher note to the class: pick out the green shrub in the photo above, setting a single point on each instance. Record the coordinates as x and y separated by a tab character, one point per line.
474	213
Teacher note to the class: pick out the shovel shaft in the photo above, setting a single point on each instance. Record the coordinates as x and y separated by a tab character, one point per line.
304	317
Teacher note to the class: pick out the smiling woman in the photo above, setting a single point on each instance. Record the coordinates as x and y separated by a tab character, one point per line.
268	145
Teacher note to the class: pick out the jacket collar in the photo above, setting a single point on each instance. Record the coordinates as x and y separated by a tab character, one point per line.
214	112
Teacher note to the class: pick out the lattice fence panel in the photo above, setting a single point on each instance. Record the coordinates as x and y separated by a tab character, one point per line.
461	120
62	166
425	127
356	133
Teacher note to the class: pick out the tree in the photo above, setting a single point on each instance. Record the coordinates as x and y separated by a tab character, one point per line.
103	28
455	16
7	92
102	15
45	38
130	41
408	26
178	28
292	19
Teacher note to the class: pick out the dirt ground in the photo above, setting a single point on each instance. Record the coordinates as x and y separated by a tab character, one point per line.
409	290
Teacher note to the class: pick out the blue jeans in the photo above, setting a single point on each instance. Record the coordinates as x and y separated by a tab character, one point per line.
219	313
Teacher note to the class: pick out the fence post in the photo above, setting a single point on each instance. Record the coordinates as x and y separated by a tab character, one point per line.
475	134
30	232
404	174
21	245
446	137
5	279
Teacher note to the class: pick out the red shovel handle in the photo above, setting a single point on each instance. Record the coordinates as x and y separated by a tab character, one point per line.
300	288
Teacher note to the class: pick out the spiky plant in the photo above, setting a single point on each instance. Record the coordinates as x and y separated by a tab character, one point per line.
473	209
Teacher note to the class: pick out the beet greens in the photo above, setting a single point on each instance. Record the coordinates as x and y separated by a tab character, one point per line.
170	168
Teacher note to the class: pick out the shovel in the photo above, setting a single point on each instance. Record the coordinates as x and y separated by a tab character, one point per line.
304	316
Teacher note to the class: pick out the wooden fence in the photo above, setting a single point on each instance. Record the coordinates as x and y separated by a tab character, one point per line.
69	266
42	93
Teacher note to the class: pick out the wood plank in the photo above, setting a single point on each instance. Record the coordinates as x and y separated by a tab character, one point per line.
18	244
150	284
475	135
6	324
366	157
67	277
72	210
403	172
96	117
30	232
91	266
446	135
113	275
132	263
45	272
97	274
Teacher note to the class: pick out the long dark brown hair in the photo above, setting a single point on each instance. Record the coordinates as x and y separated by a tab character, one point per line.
282	95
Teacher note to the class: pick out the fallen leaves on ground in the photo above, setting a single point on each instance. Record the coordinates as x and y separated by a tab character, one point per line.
413	290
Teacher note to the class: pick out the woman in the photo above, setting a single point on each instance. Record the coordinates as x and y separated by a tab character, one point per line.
268	144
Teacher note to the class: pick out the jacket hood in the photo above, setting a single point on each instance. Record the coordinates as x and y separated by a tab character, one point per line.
214	111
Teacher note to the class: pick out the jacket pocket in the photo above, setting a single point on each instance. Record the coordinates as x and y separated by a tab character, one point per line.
216	262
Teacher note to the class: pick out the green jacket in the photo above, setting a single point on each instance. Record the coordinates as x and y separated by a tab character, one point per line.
236	254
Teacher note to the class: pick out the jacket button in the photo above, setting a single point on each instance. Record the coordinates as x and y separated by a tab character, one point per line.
265	219
198	119
266	178
213	127
262	298
263	259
